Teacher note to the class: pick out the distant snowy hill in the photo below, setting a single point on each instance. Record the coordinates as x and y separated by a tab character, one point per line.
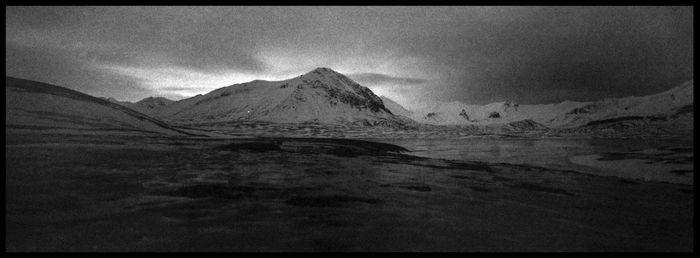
457	113
665	103
320	96
670	104
34	105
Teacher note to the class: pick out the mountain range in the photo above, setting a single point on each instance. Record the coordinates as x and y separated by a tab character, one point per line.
324	96
565	115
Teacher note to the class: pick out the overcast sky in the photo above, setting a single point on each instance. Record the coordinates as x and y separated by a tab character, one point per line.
414	55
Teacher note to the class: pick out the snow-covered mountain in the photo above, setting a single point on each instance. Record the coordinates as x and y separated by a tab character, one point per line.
322	96
566	114
32	105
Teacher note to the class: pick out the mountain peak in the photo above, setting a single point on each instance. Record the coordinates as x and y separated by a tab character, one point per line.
322	71
330	78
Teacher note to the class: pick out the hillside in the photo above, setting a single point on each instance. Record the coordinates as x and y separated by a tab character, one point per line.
42	107
666	103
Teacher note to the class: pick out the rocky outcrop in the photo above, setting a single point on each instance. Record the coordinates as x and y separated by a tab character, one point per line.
464	114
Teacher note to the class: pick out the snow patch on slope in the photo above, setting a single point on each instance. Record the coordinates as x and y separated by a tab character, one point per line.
395	108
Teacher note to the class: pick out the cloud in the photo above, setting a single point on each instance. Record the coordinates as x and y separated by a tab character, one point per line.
178	80
382	79
469	54
150	36
180	89
67	70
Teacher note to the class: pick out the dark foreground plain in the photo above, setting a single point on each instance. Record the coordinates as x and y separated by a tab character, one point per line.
131	193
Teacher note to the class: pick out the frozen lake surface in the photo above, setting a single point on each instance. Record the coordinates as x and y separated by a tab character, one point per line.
143	193
660	160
